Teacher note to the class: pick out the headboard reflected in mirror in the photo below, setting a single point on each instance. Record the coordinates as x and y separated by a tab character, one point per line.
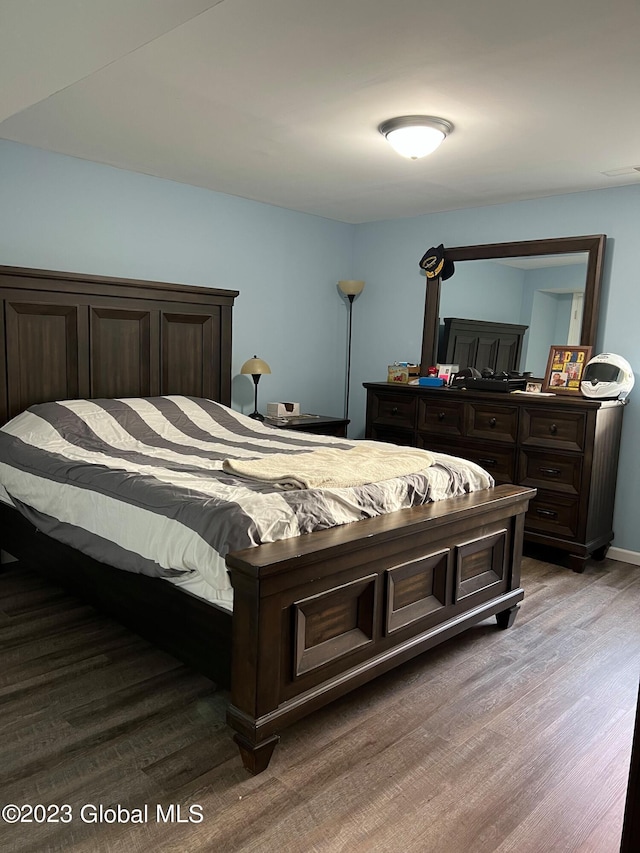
551	286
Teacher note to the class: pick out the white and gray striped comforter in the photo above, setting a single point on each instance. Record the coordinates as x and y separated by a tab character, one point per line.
138	483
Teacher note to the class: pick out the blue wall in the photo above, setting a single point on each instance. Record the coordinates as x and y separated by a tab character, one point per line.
62	213
58	212
484	291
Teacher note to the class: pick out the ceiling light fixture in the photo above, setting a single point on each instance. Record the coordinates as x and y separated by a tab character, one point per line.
415	136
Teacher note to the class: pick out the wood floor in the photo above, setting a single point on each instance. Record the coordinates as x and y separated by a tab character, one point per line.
497	741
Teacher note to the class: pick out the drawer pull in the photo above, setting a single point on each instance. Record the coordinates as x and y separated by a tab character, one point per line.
551	472
553	429
488	462
492	422
394	411
547	513
441	416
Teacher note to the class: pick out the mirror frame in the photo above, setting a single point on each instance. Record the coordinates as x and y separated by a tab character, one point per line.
593	245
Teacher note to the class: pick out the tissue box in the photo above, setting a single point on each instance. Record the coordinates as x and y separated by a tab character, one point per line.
283	410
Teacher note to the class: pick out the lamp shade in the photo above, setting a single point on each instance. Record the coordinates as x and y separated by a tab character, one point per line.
255	366
415	136
351	287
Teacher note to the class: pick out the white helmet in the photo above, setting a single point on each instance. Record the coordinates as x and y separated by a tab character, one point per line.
607	376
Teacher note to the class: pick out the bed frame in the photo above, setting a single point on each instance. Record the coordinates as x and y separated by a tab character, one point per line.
313	617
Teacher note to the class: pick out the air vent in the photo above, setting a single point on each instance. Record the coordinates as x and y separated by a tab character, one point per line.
627	170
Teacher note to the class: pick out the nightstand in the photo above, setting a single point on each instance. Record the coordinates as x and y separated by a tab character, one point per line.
320	424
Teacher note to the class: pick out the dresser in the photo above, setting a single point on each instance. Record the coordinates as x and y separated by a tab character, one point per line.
565	447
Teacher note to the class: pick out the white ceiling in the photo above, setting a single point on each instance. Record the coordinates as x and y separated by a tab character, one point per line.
280	100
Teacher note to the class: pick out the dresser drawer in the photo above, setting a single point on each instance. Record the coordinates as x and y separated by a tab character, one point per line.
553	428
497	459
553	514
492	421
543	470
441	417
398	410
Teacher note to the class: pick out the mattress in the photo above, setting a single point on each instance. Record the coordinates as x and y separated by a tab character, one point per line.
138	483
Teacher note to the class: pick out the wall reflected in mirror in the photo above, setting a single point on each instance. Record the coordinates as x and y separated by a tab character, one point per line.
543	292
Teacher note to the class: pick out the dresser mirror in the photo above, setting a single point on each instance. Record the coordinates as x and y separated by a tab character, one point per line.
550	286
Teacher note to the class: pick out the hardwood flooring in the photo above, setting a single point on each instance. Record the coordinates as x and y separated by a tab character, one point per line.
496	741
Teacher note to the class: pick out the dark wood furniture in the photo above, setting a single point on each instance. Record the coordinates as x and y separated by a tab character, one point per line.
565	447
67	336
318	424
479	344
313	616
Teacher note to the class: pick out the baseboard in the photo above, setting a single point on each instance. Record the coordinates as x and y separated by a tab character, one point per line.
625	556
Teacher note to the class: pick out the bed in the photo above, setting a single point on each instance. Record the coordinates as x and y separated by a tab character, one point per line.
292	624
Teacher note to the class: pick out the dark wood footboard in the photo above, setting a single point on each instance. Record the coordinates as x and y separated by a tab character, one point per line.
317	616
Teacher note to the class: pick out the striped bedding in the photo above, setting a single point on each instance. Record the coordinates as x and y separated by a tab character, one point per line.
138	483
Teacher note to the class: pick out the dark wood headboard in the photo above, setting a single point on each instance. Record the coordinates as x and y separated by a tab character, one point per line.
67	335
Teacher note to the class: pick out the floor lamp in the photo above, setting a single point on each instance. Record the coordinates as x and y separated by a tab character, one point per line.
256	367
350	289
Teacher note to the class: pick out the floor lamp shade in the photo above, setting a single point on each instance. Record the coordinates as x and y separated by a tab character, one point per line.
255	367
351	287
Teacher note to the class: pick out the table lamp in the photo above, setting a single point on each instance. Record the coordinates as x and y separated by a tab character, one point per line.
256	367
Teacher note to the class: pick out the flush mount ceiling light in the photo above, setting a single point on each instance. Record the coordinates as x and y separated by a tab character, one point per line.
415	136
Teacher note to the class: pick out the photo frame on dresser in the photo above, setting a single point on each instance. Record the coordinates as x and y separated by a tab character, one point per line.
565	367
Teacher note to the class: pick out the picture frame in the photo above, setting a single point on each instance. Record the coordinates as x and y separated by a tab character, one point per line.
533	386
565	367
